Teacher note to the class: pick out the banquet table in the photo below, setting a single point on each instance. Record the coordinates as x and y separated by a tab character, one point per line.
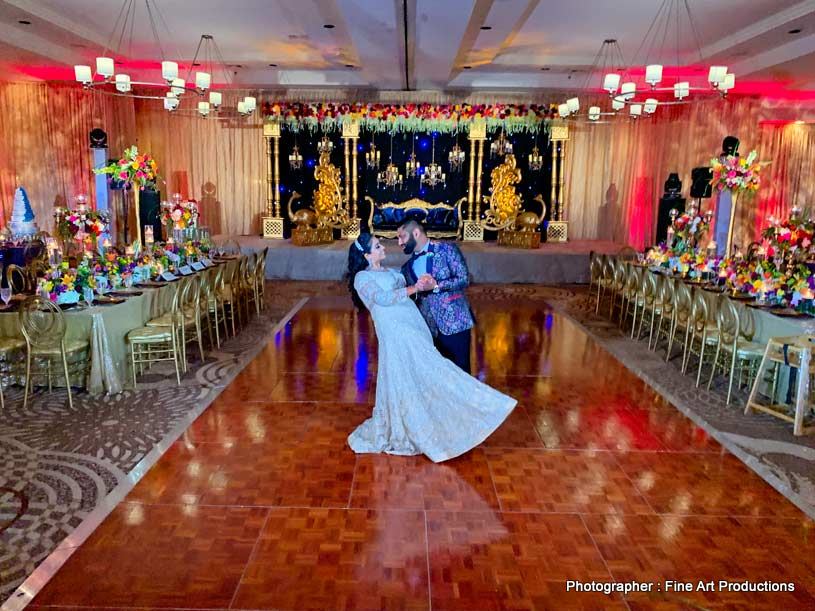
106	328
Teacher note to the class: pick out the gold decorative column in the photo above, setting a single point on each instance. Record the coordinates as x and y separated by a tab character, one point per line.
350	133
558	230
272	221
472	231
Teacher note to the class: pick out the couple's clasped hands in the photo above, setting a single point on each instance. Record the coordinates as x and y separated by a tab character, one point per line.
426	283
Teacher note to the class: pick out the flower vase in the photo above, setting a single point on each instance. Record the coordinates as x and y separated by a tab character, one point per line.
732	222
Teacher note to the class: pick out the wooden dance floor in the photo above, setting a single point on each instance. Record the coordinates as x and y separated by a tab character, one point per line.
594	478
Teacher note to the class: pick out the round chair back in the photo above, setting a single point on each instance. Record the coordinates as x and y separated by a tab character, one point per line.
627	253
649	287
727	321
42	322
682	302
699	311
17	278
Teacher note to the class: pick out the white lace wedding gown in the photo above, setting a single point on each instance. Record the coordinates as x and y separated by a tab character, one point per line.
425	404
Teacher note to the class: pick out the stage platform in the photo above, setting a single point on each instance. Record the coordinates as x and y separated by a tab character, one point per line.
552	263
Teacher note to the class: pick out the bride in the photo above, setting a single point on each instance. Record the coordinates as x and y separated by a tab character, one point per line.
425	404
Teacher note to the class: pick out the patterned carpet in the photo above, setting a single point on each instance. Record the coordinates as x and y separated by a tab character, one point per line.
59	464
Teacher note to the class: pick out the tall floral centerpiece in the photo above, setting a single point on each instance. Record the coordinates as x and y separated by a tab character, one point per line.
178	215
738	175
137	170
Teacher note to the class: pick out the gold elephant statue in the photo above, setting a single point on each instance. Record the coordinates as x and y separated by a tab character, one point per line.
527	222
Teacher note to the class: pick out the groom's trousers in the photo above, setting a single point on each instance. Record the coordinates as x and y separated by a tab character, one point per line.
455	347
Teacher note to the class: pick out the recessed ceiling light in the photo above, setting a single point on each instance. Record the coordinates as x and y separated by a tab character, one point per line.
197	64
545	69
799	122
24	22
795	31
486	27
329	26
78	45
466	67
349	65
272	65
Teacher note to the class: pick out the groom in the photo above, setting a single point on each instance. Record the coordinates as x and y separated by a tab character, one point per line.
443	305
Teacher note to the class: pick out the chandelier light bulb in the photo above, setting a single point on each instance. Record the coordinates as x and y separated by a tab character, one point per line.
203	80
203	108
681	90
729	82
83	74
170	101
123	83
215	99
628	90
104	66
242	107
650	106
653	74
611	83
594	113
251	103
169	71
563	110
636	110
617	104
178	86
573	104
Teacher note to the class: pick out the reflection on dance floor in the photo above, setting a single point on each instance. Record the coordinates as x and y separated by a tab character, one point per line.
594	477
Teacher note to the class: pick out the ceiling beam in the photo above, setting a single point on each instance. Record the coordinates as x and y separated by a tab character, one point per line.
759	28
773	57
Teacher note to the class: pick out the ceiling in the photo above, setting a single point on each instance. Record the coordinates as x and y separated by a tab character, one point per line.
415	44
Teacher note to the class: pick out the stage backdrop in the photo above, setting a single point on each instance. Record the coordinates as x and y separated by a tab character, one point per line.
614	172
302	180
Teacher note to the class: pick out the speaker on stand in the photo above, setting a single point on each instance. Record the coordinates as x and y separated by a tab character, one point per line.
672	199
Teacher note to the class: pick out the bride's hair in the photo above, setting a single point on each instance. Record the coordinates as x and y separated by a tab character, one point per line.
357	262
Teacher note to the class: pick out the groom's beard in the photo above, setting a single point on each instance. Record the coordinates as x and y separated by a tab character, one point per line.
410	246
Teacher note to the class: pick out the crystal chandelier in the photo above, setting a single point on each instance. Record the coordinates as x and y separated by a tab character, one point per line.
372	157
433	174
412	167
456	157
390	176
207	55
325	145
500	146
295	158
535	159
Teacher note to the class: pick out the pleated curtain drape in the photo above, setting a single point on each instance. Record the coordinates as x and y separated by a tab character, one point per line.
615	171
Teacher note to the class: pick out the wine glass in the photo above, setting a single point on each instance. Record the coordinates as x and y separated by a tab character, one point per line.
5	295
87	293
128	279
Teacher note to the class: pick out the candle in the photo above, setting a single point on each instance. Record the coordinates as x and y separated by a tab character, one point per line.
129	251
148	234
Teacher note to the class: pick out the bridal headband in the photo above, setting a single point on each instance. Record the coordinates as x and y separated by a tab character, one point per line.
357	244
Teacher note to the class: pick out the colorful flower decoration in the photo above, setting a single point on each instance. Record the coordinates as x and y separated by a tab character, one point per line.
736	173
180	215
132	169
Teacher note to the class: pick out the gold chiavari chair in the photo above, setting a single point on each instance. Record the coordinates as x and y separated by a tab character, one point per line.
665	297
188	315
680	319
606	280
228	295
43	326
17	278
259	281
595	270
206	292
732	346
153	344
651	306
629	294
247	282
215	305
627	253
618	284
702	326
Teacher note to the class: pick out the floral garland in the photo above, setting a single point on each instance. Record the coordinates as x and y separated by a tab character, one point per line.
132	168
736	173
447	118
180	214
